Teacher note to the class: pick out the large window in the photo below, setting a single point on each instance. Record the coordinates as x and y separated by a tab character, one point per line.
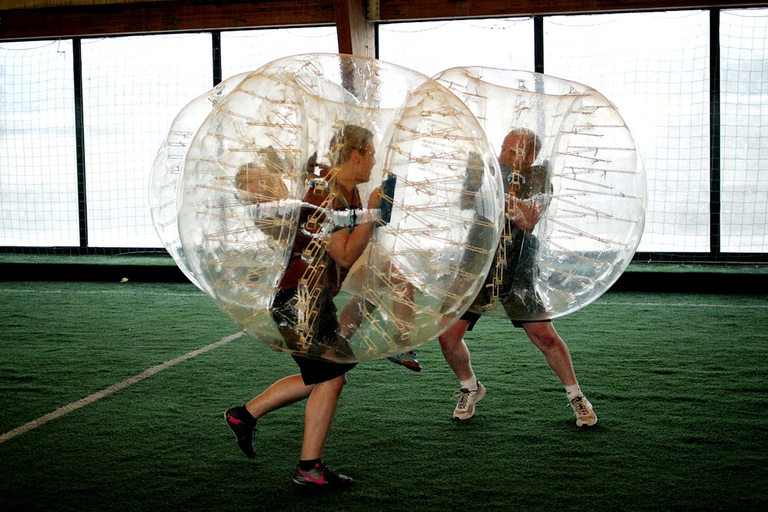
744	131
655	68
133	87
431	47
248	50
38	179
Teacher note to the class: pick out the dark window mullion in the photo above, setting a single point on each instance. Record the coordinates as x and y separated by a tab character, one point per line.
538	44
216	41
77	64
714	132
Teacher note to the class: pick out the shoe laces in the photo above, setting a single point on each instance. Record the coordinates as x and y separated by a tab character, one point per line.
578	406
463	395
325	468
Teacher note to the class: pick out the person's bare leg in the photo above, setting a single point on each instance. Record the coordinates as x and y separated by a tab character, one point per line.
455	350
403	293
546	339
318	416
457	355
284	392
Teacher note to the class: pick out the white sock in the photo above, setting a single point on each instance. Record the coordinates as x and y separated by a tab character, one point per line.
573	391
470	383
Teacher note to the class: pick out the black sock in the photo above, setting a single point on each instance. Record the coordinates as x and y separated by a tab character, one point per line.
246	416
306	465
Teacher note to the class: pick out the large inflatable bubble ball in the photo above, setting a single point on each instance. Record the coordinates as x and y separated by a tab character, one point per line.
340	208
575	187
169	165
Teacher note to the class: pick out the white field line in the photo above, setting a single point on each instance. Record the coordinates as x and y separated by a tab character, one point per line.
114	388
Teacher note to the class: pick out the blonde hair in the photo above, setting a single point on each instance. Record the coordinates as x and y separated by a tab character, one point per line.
349	137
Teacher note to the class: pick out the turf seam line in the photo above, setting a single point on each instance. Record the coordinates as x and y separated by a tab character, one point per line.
660	304
29	291
114	388
202	295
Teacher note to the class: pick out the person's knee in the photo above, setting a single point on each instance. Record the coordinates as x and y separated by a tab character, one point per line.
453	336
449	342
544	337
547	341
330	387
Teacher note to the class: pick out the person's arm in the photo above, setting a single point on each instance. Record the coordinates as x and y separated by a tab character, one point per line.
525	213
345	246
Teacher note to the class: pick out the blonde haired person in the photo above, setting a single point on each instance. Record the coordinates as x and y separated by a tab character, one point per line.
320	382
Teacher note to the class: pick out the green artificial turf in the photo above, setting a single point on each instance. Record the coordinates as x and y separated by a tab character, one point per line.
678	382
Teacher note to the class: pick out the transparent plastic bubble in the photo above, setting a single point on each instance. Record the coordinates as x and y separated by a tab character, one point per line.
340	208
169	164
577	202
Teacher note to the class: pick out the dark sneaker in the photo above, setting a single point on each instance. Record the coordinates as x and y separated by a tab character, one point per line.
408	360
242	424
320	475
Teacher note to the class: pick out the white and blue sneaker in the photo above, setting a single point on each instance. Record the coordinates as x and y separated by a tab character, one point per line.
408	360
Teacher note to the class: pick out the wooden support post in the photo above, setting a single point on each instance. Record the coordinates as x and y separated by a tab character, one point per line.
355	33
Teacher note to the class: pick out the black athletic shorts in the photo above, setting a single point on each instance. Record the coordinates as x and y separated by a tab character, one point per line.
315	371
472	318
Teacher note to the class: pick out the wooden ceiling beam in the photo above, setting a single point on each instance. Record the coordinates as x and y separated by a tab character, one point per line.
408	10
160	17
119	17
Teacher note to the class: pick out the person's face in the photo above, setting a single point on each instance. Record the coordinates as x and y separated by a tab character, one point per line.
367	161
517	152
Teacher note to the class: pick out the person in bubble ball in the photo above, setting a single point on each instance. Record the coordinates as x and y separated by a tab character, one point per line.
525	182
320	382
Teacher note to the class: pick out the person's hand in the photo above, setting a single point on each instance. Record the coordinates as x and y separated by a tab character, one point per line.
525	214
373	200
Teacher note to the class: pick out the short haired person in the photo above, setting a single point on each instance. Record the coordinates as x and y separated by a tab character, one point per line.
320	382
518	152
